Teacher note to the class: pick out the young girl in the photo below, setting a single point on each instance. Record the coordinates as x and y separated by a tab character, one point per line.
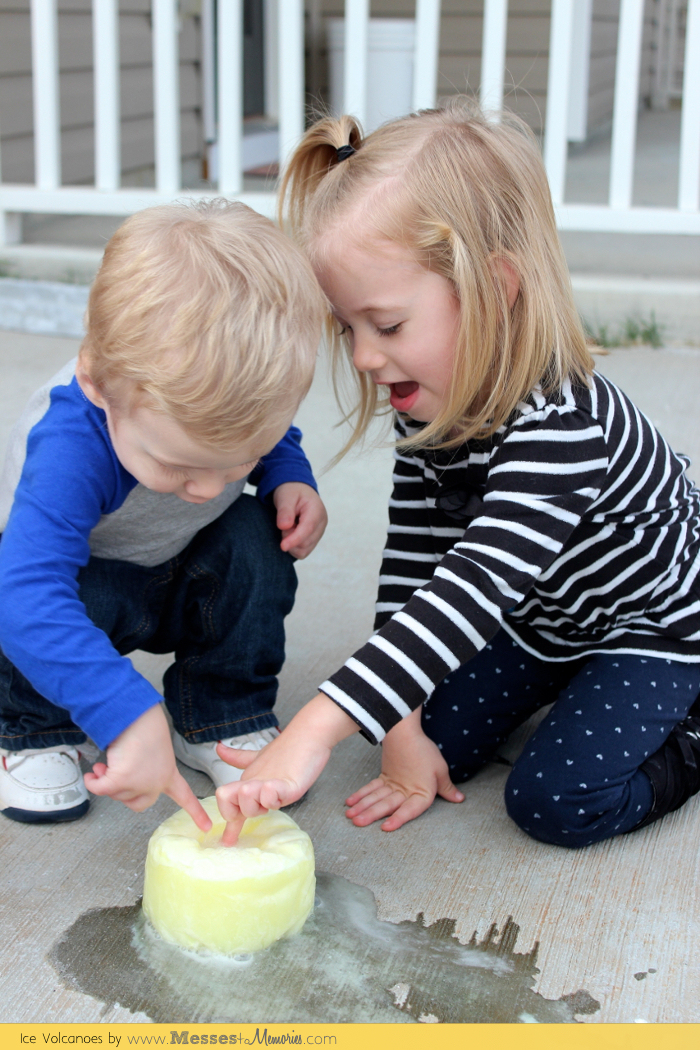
544	539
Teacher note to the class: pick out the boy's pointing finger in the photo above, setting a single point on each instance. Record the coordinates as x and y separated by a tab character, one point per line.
181	792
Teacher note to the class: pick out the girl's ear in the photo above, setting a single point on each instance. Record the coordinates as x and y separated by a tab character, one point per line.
82	374
505	271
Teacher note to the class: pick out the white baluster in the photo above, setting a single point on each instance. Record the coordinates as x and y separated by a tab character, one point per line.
105	43
558	80
493	55
166	95
230	75
427	50
356	46
10	227
688	183
208	58
291	80
47	117
624	134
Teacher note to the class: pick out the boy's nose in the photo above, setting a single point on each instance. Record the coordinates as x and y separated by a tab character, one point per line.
206	486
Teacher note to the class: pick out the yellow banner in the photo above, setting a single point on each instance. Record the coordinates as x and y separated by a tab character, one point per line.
352	1036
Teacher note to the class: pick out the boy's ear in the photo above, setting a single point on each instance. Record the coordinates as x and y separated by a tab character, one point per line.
86	384
505	271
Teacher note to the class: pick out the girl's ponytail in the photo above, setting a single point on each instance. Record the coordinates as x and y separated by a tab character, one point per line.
323	148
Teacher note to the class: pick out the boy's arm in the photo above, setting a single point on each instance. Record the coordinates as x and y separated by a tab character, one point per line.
285	476
44	627
283	771
141	766
70	478
285	462
301	517
46	633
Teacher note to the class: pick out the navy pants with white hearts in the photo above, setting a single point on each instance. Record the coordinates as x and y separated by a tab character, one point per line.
577	780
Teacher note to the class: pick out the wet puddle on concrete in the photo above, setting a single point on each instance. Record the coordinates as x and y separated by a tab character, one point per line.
344	966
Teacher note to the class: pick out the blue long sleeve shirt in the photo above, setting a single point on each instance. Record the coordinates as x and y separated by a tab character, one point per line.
72	500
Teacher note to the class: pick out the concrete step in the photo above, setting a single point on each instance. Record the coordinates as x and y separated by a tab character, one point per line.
616	278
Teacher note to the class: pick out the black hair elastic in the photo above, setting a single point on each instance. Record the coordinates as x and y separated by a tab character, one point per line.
343	152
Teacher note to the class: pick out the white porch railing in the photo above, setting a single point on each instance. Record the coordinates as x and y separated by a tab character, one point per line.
48	195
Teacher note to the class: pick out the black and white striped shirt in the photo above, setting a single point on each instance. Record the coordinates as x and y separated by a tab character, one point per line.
586	539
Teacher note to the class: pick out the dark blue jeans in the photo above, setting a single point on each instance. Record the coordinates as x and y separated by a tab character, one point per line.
577	780
219	606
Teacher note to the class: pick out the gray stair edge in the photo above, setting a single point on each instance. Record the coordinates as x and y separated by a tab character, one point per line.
33	276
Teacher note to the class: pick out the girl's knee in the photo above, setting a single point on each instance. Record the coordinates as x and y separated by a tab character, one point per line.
541	809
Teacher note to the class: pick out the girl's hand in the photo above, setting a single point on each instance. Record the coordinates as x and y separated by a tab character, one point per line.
141	765
284	770
413	773
301	517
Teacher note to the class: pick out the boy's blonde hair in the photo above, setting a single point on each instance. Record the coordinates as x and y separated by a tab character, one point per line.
206	312
470	199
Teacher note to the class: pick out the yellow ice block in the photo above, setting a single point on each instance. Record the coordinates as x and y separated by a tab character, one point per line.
205	896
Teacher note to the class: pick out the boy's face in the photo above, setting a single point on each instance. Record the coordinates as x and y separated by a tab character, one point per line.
162	457
159	454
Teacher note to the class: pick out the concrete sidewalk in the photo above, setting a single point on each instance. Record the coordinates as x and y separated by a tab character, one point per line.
616	924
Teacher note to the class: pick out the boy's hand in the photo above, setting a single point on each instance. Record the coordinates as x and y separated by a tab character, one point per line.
301	517
141	765
413	773
285	769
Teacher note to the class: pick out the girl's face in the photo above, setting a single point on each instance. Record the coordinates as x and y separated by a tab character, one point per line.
401	321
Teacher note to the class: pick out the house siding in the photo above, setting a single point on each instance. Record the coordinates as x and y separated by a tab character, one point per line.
459	72
527	53
76	92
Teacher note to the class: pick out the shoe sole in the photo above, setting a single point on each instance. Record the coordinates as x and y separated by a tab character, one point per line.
28	816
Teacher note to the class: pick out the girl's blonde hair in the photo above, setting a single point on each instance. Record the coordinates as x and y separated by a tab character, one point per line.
469	198
209	314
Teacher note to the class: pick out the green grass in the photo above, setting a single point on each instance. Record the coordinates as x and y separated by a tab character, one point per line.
634	331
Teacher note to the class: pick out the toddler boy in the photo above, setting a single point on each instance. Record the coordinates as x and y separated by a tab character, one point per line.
124	523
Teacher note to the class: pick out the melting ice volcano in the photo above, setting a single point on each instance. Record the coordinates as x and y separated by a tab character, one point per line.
344	966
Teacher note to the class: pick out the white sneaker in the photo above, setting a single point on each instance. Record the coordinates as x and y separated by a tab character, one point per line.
205	758
42	785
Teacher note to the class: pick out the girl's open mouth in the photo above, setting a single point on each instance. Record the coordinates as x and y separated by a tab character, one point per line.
403	395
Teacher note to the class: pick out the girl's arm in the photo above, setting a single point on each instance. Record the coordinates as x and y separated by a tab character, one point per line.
413	773
530	510
548	472
283	771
